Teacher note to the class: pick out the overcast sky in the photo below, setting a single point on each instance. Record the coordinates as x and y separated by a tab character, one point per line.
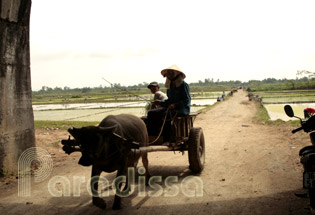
75	43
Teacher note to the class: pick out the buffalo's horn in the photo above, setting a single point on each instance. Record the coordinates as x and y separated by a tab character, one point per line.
73	131
110	129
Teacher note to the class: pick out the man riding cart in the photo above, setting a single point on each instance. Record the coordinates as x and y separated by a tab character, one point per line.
174	122
177	104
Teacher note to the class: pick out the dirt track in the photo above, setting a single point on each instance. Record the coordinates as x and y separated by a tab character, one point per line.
250	169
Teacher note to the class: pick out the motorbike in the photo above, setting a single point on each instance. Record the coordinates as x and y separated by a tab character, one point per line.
307	155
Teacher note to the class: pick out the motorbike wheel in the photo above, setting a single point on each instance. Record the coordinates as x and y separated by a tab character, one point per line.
196	150
311	193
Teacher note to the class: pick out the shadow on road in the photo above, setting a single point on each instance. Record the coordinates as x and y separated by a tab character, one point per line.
281	203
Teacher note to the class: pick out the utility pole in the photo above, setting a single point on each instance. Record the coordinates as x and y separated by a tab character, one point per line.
16	113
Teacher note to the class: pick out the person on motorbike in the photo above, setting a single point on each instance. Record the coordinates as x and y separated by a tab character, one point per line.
308	112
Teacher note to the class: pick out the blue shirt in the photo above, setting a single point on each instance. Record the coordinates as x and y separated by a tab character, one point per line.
180	96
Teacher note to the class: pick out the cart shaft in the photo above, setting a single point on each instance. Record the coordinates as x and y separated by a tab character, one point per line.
146	149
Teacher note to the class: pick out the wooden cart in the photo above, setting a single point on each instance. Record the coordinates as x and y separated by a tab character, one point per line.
184	137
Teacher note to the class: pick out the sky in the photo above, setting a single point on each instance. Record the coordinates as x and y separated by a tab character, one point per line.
76	43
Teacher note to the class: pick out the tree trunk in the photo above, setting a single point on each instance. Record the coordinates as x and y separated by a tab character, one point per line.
16	113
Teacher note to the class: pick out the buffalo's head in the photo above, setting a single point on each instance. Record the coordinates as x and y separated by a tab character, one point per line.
91	140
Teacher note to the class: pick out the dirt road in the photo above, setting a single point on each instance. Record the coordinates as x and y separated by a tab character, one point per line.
250	169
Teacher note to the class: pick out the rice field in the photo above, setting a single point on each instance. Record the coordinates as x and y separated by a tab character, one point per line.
276	111
97	111
287	97
96	107
84	114
275	102
290	99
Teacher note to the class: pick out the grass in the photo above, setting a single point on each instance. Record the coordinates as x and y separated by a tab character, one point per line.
62	124
287	96
55	144
55	98
41	99
261	115
288	99
5	174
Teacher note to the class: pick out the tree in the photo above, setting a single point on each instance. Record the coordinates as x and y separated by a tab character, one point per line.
207	81
290	84
86	89
305	73
57	89
16	114
66	88
44	88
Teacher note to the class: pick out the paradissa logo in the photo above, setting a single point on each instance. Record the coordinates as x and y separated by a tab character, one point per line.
24	168
190	186
58	186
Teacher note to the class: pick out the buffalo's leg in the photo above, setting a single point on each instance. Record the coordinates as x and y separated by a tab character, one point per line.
97	201
145	163
119	192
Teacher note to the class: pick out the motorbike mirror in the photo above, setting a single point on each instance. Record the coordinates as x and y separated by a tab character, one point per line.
289	111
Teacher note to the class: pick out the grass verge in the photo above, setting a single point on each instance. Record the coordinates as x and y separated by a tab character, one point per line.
62	124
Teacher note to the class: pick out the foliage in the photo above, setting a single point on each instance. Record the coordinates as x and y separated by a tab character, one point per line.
268	84
272	84
4	173
305	73
116	92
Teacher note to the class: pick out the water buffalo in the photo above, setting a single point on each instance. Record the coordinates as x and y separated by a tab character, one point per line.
101	149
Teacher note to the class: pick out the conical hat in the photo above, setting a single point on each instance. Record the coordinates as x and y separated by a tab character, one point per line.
173	67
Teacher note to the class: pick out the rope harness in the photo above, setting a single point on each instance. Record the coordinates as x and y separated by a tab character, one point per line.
162	127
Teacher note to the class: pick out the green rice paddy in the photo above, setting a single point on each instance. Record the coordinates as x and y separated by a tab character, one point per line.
90	114
275	102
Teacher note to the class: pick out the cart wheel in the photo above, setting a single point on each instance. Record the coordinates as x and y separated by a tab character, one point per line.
196	150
